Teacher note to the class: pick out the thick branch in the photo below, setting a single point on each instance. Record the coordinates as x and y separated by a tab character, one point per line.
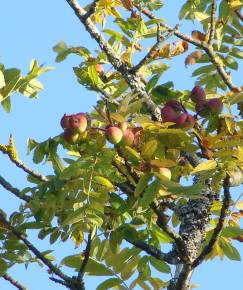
154	252
203	45
217	230
133	80
14	282
14	190
182	281
212	22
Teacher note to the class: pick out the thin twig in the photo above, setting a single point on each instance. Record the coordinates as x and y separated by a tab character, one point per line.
203	45
13	156
14	190
14	282
152	52
219	226
153	251
36	252
238	13
59	282
133	80
212	22
86	258
91	8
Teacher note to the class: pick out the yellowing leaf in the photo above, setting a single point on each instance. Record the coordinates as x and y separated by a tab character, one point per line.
163	163
239	205
201	16
149	149
103	181
205	166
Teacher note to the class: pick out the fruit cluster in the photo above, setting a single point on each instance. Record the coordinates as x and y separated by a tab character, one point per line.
203	107
74	126
173	111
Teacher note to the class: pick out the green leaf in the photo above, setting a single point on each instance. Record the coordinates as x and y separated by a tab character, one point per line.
203	69
236	52
152	82
230	251
73	170
159	265
231	62
95	268
149	149
150	193
3	267
74	217
205	166
2	80
110	283
142	183
231	232
93	75
115	241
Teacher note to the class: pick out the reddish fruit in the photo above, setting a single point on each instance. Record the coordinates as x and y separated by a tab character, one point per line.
185	121
215	106
70	137
198	94
168	114
185	45
99	69
113	134
78	123
65	121
174	104
128	137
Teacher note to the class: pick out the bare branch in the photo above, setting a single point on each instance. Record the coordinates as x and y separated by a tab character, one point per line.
14	190
219	226
10	150
86	258
238	13
151	54
154	252
14	282
203	45
59	282
133	80
212	22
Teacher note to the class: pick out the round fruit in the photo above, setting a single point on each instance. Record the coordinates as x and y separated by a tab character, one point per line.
185	121
65	121
113	134
128	137
168	114
78	122
70	137
198	94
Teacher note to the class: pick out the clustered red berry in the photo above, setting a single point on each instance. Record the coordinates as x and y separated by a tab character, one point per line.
173	111
73	126
203	107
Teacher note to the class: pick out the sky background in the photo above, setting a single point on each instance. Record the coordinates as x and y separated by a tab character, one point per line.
29	29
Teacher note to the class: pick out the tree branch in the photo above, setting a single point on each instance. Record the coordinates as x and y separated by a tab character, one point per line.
14	190
212	22
10	150
152	52
14	282
154	252
37	253
86	258
133	80
238	13
218	228
203	45
174	235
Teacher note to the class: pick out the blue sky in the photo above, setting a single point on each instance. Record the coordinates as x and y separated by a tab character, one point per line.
29	29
